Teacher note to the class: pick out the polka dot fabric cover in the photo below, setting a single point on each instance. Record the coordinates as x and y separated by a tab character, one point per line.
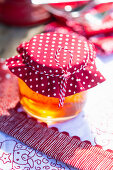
37	67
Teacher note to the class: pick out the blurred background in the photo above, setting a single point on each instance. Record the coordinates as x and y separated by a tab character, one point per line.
90	19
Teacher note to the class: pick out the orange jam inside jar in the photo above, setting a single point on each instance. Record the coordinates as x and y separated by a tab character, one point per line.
46	108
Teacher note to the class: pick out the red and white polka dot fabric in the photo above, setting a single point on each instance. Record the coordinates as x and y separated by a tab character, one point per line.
50	60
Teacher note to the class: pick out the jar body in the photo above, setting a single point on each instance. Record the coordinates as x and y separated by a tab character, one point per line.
46	108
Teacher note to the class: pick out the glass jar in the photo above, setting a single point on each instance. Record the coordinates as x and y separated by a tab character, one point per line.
46	108
55	70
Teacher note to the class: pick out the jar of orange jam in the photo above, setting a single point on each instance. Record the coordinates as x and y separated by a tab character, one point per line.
54	72
46	108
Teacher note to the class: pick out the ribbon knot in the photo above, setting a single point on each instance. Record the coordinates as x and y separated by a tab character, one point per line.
64	76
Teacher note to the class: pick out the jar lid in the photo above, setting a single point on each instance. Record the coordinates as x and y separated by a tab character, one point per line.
56	65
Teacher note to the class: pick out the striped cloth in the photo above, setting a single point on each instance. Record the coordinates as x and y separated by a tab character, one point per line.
70	150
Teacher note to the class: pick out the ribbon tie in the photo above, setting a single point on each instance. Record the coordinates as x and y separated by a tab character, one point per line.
64	76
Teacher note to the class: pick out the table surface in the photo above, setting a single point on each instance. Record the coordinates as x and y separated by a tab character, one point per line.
95	123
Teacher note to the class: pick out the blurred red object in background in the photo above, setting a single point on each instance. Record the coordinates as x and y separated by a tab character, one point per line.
22	13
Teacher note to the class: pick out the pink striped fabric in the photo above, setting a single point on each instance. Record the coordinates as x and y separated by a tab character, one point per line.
70	150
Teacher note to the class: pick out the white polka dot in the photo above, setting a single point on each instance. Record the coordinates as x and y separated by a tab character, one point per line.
92	80
42	84
79	44
61	35
19	69
36	79
72	43
54	38
41	37
20	75
8	76
95	75
67	39
91	67
13	70
31	86
67	35
86	77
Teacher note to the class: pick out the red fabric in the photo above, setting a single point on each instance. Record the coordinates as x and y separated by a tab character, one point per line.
100	41
91	24
37	67
22	13
70	150
72	4
59	28
104	44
